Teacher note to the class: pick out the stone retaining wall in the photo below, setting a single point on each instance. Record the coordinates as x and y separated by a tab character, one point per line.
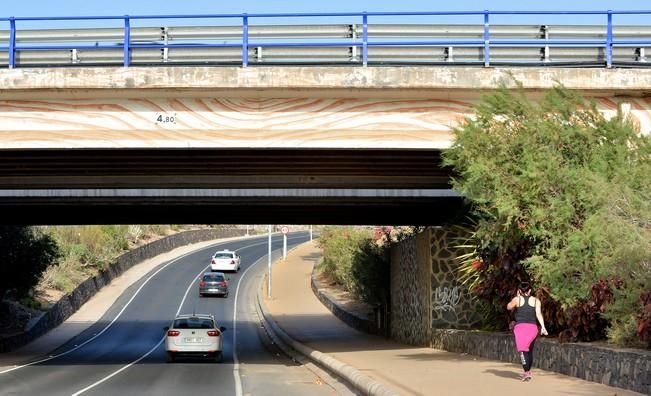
70	303
361	323
622	368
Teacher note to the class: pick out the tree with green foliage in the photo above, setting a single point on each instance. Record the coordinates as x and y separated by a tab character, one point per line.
24	254
560	194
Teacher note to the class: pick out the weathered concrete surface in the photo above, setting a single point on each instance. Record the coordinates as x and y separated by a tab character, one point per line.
277	107
303	81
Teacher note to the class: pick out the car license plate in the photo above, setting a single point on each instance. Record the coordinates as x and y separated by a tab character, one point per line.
213	290
193	339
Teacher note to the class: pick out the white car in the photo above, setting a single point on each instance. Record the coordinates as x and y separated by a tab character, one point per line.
194	335
225	260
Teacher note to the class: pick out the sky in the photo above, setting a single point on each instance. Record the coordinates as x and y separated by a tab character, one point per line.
157	7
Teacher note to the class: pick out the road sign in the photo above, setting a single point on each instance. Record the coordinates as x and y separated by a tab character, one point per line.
284	230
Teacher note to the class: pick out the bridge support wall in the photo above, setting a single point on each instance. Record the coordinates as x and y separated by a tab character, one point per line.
426	293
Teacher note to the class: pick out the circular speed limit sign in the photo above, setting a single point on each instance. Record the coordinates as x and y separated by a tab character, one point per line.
284	230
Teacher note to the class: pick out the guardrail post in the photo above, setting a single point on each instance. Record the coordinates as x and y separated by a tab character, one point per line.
245	40
12	43
609	40
127	41
487	48
364	39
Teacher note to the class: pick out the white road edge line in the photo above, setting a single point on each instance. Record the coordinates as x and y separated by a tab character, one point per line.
117	316
113	374
237	378
236	361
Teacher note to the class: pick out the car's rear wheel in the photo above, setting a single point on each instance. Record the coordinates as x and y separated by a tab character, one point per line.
169	357
219	357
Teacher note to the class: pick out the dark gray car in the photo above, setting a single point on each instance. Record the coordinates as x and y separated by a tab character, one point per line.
213	283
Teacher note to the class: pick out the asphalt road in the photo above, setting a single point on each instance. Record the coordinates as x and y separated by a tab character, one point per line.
123	354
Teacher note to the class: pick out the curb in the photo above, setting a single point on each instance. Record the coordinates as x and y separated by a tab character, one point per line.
358	381
352	319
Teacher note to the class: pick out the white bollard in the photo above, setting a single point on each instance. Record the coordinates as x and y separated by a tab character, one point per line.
284	246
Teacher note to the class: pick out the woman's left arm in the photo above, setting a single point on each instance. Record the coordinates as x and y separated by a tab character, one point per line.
539	316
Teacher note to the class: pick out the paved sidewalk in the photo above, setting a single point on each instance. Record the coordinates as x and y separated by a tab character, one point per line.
405	369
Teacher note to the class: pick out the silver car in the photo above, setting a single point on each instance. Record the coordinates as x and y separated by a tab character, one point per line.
215	283
195	335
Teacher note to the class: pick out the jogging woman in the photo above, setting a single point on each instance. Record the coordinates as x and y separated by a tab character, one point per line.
527	310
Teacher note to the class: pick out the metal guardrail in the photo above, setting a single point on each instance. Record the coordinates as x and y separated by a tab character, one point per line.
358	42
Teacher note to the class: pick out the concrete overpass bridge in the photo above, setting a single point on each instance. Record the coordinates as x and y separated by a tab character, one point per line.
328	143
313	144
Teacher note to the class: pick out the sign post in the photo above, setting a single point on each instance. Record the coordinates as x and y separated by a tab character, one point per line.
285	231
269	264
310	232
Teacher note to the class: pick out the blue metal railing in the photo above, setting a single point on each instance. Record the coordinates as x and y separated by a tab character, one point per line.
486	43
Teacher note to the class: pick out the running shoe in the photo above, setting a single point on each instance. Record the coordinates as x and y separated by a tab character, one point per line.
527	376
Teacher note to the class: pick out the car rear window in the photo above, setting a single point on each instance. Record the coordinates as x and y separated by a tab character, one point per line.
223	255
213	277
193	323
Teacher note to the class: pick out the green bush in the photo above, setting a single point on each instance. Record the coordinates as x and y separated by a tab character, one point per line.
340	245
565	192
352	259
25	253
370	273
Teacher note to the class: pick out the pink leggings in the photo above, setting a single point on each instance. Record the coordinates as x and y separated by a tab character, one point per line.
525	336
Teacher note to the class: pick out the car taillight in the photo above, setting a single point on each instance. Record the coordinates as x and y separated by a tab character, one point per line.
214	333
233	262
173	333
202	283
223	283
213	262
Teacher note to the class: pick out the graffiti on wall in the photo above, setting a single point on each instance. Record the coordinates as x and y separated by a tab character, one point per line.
446	298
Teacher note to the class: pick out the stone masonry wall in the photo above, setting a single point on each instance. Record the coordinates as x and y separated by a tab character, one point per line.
451	304
410	290
70	303
623	368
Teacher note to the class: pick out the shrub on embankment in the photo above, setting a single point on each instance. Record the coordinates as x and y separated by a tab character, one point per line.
561	195
35	260
25	254
355	260
88	249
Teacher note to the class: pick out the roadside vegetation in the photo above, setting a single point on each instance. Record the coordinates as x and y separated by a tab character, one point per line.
561	196
86	250
358	261
25	253
40	264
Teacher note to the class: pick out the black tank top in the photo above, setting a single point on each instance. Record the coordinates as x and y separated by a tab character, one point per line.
525	313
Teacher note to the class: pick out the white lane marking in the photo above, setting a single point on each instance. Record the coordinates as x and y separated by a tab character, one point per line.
113	374
236	360
237	378
119	313
110	323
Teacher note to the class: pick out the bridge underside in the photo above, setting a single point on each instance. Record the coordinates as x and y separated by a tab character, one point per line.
301	186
